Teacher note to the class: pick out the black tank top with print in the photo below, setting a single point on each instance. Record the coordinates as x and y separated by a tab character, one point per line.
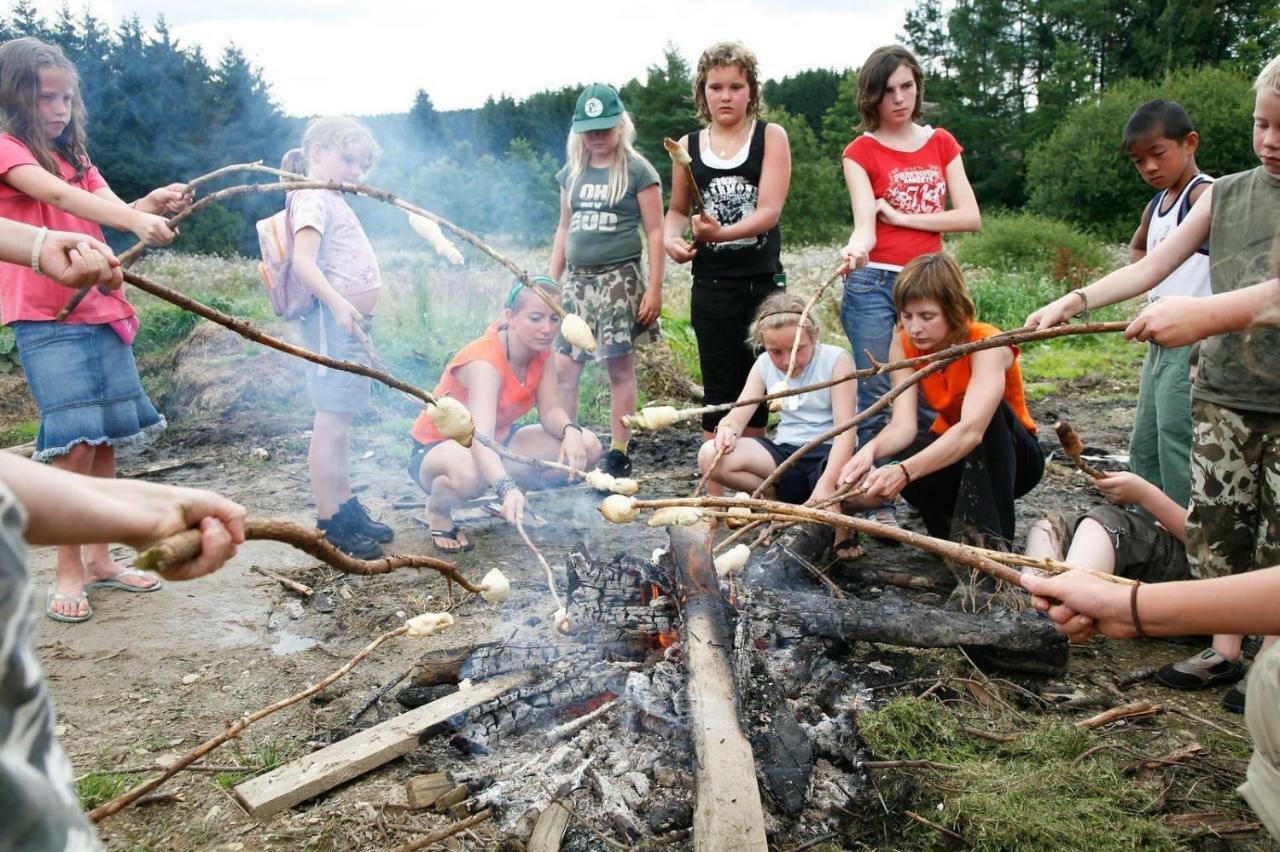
731	195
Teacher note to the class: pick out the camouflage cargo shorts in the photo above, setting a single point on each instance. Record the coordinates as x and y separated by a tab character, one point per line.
1234	524
608	298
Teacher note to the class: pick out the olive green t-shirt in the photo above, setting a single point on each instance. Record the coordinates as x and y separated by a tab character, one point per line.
600	233
1241	370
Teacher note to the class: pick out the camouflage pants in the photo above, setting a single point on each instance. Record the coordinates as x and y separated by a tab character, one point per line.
1234	523
608	298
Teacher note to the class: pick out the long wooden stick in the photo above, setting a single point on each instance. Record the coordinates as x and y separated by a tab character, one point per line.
697	489
252	332
294	181
680	159
233	730
179	549
446	832
804	315
836	496
1006	338
508	453
546	568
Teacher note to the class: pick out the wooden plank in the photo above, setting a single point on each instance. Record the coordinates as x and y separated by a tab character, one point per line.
549	829
423	790
728	815
299	780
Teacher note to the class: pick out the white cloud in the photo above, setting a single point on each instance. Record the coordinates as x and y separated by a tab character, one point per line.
324	56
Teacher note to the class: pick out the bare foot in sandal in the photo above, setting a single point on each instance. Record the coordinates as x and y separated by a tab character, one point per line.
446	536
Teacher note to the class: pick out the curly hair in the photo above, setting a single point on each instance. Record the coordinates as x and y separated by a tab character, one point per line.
720	55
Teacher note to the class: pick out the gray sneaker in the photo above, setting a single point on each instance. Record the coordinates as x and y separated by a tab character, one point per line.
1208	668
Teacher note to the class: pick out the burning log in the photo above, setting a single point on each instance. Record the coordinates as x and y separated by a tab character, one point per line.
680	159
659	417
179	549
1074	448
728	814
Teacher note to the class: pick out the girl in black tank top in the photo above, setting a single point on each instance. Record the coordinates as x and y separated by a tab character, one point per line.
736	250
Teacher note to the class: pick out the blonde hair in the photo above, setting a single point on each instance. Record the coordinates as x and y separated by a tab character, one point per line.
336	132
1269	78
21	60
781	310
623	154
937	278
720	55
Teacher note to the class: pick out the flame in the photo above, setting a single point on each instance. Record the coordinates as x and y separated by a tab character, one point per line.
582	708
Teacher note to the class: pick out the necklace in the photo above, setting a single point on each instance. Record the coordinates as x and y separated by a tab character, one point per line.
736	140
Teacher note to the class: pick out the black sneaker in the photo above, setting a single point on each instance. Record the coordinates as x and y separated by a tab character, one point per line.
1233	701
358	518
340	534
616	463
1208	668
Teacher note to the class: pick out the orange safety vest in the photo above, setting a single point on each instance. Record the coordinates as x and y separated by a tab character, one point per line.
515	398
944	391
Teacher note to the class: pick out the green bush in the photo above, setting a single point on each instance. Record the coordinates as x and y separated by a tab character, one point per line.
1080	175
1035	245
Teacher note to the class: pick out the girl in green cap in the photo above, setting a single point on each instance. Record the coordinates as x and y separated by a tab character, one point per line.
608	194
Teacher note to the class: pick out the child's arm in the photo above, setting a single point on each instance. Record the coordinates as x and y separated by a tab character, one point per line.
1128	281
1129	489
173	198
66	508
844	398
35	182
862	198
1082	604
650	199
306	248
735	421
1182	320
897	434
72	260
775	179
964	214
1138	243
556	268
677	219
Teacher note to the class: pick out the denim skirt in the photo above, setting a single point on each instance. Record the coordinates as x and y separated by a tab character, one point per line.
85	383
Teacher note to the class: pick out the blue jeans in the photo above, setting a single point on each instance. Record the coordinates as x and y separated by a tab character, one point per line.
868	317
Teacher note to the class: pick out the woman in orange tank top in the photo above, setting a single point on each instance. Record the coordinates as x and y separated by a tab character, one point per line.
500	377
963	473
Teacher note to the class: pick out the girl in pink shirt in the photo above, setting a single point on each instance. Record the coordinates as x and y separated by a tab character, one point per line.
81	372
899	175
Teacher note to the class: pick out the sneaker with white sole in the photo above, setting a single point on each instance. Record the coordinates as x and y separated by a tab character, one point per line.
1208	668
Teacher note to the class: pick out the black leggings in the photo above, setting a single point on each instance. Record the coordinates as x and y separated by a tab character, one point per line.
972	499
721	312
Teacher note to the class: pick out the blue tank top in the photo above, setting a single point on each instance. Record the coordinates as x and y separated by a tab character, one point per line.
808	415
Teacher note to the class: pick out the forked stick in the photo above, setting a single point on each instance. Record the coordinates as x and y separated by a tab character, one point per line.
179	549
804	315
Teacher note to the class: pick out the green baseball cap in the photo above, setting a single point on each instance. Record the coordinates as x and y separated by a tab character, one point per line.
599	108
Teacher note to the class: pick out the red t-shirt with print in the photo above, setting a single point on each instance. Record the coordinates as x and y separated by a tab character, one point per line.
912	182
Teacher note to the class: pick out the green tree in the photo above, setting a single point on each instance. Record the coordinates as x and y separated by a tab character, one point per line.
662	107
807	94
1079	173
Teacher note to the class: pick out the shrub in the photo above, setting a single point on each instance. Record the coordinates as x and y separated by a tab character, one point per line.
1079	174
1026	243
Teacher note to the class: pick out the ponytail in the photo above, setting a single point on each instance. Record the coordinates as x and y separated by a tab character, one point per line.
295	160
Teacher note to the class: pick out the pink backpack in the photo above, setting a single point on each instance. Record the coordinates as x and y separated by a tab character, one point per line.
290	298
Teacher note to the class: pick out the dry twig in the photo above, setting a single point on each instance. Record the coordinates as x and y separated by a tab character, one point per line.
233	730
292	585
804	315
447	832
1136	710
179	549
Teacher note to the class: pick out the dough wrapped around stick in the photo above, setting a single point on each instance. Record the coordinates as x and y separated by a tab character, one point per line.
619	509
653	417
575	330
681	160
453	420
435	238
601	481
495	587
428	624
682	516
732	560
1074	448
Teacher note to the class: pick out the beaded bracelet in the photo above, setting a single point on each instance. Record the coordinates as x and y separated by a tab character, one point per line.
503	486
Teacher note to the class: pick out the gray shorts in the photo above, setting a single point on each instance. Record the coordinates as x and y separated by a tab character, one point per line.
1145	550
334	390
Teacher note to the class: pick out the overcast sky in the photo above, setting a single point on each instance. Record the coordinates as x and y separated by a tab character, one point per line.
369	56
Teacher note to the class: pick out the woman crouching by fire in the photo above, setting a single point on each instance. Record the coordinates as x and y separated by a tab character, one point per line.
500	376
980	454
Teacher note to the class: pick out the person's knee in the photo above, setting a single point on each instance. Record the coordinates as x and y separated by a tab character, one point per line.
622	369
706	453
80	459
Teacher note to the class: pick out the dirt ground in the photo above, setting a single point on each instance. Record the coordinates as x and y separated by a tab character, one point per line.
151	675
